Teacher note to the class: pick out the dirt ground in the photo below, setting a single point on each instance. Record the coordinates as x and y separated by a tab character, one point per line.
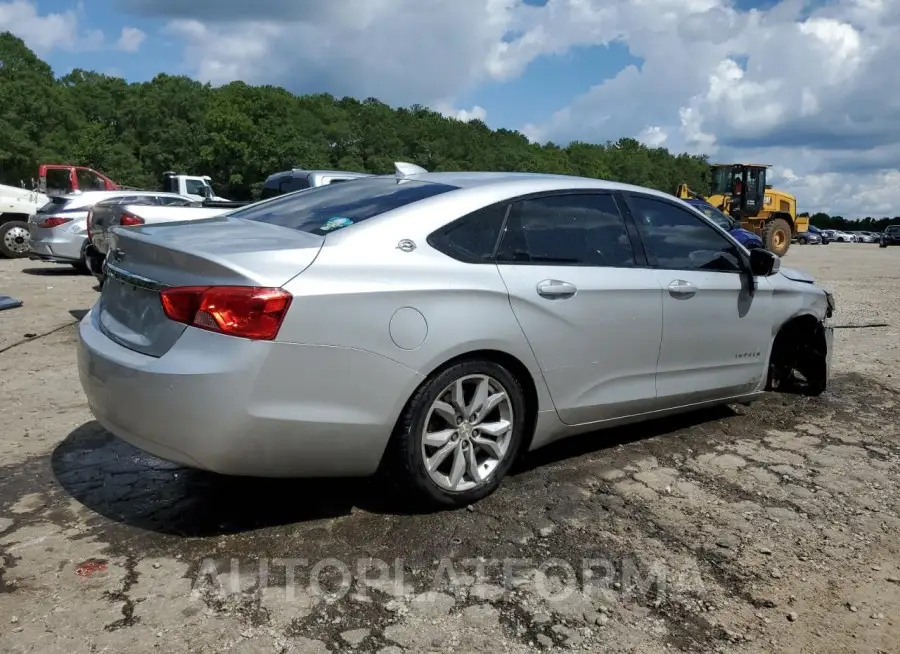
770	528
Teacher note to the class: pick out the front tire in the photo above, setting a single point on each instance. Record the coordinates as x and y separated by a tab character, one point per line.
777	236
460	433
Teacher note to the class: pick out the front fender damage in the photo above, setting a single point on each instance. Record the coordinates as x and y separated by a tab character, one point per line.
801	357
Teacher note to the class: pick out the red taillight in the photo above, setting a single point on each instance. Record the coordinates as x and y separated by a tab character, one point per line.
246	311
130	220
90	220
53	221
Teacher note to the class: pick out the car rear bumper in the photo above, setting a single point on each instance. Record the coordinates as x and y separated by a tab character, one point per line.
56	249
239	407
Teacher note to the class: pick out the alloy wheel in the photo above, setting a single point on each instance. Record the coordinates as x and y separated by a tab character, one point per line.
468	432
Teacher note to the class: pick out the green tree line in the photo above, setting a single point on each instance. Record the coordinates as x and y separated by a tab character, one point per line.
867	224
240	134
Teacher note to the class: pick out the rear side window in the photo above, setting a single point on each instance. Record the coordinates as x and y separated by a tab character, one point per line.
472	238
567	230
292	184
327	208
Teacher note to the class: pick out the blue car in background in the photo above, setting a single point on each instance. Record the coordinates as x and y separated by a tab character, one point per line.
746	238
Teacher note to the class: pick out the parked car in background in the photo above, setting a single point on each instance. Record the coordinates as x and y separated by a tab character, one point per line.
844	237
745	237
890	236
822	234
867	237
471	308
131	211
58	231
809	237
299	179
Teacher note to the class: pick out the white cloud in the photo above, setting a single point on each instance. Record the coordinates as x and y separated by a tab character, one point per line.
131	39
813	94
48	32
475	113
41	33
808	87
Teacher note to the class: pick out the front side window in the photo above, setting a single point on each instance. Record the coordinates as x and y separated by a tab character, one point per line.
88	180
172	201
472	239
567	230
676	239
330	207
195	187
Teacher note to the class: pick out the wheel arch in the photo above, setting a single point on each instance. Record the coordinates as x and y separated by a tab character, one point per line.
802	332
511	362
785	216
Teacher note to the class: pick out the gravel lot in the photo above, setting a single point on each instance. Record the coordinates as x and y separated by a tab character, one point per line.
771	528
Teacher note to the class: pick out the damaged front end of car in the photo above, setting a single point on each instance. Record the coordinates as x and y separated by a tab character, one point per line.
802	352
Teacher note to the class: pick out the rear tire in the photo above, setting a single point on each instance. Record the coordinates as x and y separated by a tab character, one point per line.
14	239
776	236
443	456
802	240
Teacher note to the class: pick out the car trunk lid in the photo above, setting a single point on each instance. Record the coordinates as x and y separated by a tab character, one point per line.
222	251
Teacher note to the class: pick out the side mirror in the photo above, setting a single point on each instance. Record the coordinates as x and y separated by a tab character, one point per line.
763	263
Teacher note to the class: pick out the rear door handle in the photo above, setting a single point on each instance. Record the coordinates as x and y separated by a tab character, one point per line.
682	290
554	289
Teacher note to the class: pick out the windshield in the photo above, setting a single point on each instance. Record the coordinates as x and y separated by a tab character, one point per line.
892	229
722	180
715	215
327	208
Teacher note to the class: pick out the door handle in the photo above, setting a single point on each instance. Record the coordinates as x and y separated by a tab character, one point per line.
553	289
682	290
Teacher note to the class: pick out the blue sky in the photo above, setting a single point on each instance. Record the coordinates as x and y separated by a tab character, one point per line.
807	85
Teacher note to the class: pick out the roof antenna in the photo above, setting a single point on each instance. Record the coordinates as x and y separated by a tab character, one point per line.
403	169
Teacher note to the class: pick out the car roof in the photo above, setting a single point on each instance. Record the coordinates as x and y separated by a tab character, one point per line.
520	183
299	172
93	197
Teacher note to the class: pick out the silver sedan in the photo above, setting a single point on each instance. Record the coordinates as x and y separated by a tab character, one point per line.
435	326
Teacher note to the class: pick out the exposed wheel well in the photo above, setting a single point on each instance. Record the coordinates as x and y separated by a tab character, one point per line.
12	217
520	372
800	345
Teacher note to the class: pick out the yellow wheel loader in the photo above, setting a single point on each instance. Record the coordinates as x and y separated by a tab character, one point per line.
740	190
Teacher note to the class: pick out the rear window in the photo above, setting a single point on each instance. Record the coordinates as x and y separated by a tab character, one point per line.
327	208
55	204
